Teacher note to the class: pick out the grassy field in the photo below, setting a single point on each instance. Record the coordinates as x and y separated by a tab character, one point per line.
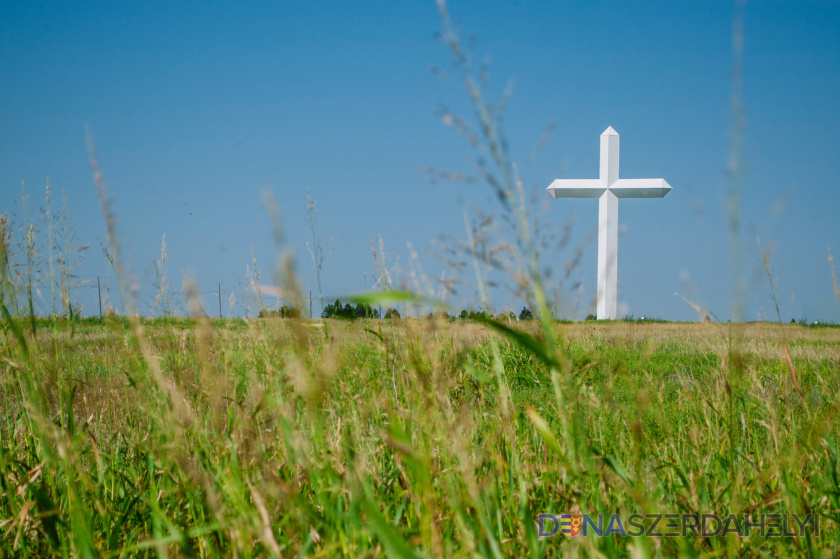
261	438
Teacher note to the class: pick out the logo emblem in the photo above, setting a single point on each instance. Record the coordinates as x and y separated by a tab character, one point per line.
570	524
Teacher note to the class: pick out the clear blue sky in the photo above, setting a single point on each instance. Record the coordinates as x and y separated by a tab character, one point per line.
198	107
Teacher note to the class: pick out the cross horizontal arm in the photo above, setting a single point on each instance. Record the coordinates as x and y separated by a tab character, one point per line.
640	188
576	188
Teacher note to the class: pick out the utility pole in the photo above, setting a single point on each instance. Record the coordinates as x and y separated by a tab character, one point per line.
99	290
220	300
310	305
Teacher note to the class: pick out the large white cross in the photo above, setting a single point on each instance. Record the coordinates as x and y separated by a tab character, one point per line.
608	188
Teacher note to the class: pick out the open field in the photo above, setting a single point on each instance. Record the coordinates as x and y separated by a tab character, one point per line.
414	437
429	437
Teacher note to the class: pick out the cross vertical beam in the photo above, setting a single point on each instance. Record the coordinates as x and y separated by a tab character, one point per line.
607	256
607	292
609	157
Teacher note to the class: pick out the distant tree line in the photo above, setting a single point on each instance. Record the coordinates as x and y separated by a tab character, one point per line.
348	311
472	314
286	311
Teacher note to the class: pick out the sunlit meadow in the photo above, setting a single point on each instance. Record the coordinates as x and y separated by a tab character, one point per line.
417	435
